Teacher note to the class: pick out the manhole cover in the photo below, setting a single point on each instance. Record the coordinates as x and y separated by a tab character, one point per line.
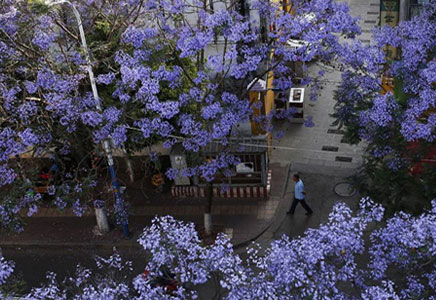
345	189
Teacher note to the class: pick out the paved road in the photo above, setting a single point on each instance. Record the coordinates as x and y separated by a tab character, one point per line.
33	264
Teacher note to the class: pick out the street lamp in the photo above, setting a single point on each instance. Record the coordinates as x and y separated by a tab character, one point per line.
106	143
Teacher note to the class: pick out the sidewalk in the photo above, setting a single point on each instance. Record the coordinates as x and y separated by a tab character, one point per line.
319	182
242	219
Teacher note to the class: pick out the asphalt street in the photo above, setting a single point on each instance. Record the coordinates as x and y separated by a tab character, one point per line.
32	265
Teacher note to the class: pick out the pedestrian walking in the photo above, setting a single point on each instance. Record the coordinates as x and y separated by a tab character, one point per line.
299	196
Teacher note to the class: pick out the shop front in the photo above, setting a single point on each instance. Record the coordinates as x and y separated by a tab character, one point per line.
250	178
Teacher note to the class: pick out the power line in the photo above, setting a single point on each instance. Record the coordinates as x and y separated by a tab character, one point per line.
289	148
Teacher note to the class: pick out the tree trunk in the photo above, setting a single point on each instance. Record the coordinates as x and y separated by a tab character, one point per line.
208	210
102	223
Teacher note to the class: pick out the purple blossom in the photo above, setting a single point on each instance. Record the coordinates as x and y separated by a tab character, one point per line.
137	36
381	112
61	204
91	118
119	135
382	151
163	128
30	87
411	71
26	111
319	263
103	133
76	58
111	114
43	39
169	109
78	208
395	163
105	79
224	188
28	138
145	127
201	76
99	203
33	209
172	173
154	156
211	111
45	79
169	143
190	43
6	269
189	172
202	104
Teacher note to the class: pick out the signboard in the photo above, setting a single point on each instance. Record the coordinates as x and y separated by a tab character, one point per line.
389	15
387	84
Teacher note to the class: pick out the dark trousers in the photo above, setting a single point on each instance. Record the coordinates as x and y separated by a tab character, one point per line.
303	203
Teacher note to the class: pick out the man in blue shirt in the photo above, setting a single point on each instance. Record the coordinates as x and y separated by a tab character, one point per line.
299	196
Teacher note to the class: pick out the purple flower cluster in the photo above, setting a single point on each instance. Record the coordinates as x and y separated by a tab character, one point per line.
6	269
119	135
137	36
43	40
7	175
28	138
78	208
222	162
91	118
105	79
99	203
324	262
414	73
60	203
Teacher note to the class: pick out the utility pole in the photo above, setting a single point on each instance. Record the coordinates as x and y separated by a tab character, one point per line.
119	205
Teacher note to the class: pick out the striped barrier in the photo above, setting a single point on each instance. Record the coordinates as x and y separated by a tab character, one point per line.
185	191
232	192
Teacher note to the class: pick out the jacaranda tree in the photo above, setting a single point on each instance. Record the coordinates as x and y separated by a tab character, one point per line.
342	259
158	78
398	124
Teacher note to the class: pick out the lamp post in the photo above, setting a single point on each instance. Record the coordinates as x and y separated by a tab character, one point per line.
119	207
